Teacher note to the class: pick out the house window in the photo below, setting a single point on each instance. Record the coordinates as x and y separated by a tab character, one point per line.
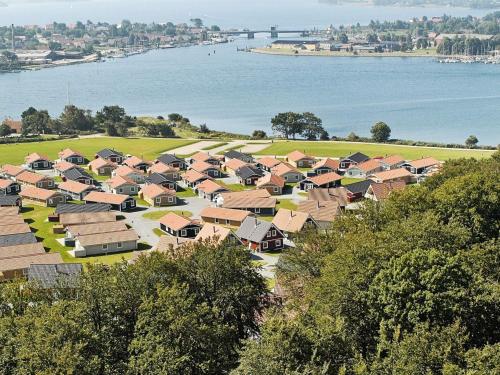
101	171
216	221
276	190
119	245
50	183
277	243
286	178
170	199
183	233
274	233
249	181
124	205
80	160
265	245
227	221
196	231
51	201
132	189
158	200
257	210
39	184
268	235
175	175
105	246
216	173
120	190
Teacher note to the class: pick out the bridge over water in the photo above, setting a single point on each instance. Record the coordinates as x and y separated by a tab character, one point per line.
251	33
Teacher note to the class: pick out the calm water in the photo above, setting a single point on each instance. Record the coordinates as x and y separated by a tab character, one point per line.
227	13
236	91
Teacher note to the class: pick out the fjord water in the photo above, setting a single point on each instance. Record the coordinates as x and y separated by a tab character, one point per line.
240	92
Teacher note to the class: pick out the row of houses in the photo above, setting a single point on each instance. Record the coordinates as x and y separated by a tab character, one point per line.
19	248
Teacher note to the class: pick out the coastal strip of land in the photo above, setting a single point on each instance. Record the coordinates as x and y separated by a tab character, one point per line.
324	53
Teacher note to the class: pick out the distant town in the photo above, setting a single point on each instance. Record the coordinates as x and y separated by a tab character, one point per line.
453	39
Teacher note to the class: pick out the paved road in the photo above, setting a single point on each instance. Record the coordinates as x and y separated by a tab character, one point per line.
144	227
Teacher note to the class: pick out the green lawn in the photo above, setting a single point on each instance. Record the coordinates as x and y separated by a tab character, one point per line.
147	148
185	193
350	180
286	203
157	215
211	147
158	232
339	149
36	217
235	187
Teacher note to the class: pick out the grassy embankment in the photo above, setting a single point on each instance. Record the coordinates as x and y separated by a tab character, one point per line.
148	148
339	149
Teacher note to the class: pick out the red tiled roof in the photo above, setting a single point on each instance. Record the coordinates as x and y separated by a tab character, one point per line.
133	161
35	156
234	164
63	166
12	170
174	221
284	168
192	176
382	191
202	166
368	165
290	221
100	162
31	177
38	193
325	178
117	181
271	179
100	197
212	231
297	155
224	213
268	162
74	186
161	168
393	160
125	170
5	183
424	163
391	174
66	153
328	163
153	191
209	187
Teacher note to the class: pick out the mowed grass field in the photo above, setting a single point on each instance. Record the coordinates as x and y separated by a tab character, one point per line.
340	149
147	148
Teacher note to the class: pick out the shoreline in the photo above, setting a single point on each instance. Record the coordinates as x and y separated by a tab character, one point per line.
291	52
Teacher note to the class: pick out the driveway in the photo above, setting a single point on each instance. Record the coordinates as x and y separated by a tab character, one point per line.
144	226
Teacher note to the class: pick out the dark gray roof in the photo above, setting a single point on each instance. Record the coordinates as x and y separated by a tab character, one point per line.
169	158
248	171
253	229
107	152
76	173
158	179
68	208
17	239
55	275
8	200
357	157
233	154
359	187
